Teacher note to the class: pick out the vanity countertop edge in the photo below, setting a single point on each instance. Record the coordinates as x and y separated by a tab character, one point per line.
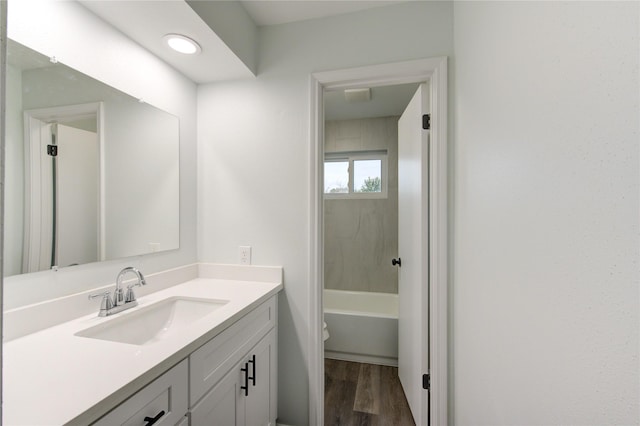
55	377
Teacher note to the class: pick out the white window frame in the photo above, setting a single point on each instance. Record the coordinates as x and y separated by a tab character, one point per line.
359	156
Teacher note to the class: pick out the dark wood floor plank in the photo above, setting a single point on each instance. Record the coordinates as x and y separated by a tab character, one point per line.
363	419
340	408
367	399
345	382
342	370
340	390
394	408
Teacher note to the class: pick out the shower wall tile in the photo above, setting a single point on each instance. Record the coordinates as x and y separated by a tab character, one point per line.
330	136
361	236
348	129
374	132
348	144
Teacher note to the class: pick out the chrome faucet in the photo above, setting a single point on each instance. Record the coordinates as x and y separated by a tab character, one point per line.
130	296
120	302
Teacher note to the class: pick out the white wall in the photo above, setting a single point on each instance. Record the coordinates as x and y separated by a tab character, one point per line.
145	152
14	176
53	28
253	154
545	279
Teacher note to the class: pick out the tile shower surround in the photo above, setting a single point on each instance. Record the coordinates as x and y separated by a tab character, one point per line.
361	236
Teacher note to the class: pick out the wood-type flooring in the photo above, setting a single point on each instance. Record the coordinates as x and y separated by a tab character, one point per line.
358	394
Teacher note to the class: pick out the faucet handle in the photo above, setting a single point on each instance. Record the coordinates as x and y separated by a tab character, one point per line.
106	304
130	297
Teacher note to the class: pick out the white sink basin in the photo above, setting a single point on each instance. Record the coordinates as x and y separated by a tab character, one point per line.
155	322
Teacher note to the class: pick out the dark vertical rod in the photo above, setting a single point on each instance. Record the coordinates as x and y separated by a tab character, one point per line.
54	198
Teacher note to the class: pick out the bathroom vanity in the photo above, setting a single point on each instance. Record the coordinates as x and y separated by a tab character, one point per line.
213	357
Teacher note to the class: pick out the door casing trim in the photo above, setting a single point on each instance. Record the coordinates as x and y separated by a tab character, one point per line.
434	71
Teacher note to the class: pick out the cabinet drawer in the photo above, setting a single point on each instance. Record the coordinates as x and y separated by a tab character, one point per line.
214	359
168	394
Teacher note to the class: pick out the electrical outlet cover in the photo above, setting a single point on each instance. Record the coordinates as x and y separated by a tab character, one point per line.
245	255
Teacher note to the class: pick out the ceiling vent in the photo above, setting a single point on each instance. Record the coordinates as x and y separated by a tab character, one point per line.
357	95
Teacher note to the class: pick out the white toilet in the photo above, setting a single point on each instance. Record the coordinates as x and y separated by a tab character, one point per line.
325	331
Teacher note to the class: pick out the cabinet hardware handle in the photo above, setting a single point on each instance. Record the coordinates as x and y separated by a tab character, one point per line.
152	420
253	376
245	369
395	262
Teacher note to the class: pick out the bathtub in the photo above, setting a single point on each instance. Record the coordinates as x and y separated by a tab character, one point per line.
363	326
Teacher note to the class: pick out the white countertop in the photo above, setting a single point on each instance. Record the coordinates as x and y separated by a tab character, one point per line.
53	377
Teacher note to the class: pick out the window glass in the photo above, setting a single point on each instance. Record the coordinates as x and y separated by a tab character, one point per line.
336	177
355	175
367	176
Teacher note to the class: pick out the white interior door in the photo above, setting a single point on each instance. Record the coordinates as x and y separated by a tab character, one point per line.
413	333
78	196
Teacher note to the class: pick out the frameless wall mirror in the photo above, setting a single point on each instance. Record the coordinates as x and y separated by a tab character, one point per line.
91	173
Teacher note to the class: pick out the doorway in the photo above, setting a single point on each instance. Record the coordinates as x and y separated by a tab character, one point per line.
435	370
361	235
63	186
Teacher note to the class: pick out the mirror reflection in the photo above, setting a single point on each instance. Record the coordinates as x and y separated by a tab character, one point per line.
91	173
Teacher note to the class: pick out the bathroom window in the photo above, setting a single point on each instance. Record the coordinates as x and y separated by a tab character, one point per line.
336	176
355	175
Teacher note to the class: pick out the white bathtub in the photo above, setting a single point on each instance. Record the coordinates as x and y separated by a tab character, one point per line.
363	326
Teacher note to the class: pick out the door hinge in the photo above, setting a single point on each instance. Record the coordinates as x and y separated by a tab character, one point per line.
52	150
426	381
426	121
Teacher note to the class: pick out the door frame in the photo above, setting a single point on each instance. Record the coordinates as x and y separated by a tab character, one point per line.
433	71
33	189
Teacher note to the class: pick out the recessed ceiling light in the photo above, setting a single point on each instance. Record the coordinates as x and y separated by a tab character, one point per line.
182	44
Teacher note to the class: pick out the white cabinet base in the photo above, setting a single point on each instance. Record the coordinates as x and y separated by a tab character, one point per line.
229	381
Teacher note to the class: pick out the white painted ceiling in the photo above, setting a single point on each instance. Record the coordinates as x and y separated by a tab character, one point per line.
146	22
273	12
385	101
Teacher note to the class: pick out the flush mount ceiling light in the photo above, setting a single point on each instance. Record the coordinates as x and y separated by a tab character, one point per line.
182	44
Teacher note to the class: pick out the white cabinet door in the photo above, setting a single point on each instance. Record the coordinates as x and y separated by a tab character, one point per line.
246	396
259	409
222	405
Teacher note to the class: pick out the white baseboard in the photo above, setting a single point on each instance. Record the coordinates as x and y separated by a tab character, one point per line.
367	359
